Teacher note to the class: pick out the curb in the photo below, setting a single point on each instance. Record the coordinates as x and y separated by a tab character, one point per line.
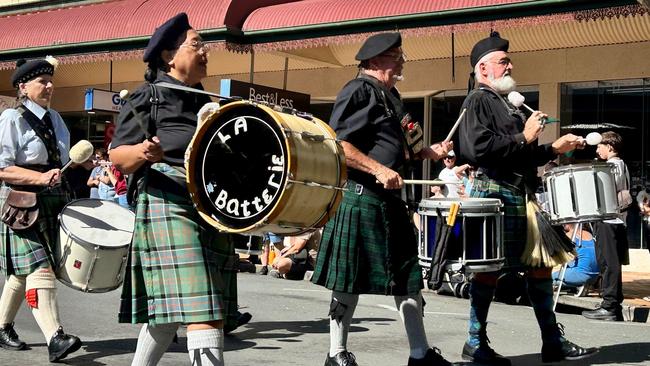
631	313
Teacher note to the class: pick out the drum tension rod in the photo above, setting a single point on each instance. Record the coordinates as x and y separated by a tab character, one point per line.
314	184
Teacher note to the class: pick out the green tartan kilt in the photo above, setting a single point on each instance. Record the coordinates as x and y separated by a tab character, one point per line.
369	247
24	252
180	269
514	218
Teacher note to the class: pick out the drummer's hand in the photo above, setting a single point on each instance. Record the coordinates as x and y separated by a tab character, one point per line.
50	178
533	127
567	143
389	178
437	151
151	150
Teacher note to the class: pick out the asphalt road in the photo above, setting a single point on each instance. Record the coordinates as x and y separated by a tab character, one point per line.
290	327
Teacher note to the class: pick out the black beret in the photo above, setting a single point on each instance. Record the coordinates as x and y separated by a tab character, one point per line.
377	44
27	70
165	36
493	43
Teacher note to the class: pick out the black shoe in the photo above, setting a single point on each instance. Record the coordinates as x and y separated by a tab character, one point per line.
565	350
344	358
242	318
603	314
62	345
9	339
433	357
264	270
483	354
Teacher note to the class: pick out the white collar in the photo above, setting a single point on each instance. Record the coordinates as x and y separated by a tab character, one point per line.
34	108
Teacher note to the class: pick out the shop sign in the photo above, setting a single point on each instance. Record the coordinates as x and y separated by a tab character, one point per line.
261	93
103	100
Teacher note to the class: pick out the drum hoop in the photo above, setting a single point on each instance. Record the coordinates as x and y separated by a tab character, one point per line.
291	168
578	167
83	242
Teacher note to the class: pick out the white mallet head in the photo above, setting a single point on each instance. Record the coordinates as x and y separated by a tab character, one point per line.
516	99
124	93
81	151
593	138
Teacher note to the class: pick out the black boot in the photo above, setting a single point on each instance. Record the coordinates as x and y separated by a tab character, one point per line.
562	349
483	354
9	339
62	345
432	358
344	358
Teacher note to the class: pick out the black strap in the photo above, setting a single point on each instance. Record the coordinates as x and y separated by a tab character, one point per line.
44	129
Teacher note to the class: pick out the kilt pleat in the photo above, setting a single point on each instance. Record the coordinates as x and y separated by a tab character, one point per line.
22	253
369	247
180	270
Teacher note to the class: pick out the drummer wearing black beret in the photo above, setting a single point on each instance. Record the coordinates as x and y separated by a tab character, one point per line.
370	247
493	132
181	272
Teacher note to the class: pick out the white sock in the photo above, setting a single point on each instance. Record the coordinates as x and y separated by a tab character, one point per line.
152	343
410	310
46	310
13	294
339	329
205	347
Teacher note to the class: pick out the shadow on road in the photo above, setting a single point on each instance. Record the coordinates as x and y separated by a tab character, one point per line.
624	353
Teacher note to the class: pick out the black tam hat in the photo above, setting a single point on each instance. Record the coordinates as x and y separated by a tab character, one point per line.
27	70
490	44
493	43
165	36
377	44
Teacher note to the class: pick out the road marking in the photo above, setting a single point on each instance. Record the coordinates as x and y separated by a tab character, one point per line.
392	308
304	290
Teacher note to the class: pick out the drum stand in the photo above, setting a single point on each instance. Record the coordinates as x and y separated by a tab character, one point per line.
577	231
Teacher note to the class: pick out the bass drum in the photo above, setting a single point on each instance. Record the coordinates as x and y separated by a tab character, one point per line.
253	169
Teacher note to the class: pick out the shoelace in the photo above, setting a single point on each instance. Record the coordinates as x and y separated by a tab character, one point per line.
349	359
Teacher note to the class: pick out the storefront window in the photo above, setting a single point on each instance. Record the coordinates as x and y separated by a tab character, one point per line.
622	106
88	126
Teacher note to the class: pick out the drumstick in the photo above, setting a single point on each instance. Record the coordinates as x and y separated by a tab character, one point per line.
430	182
453	129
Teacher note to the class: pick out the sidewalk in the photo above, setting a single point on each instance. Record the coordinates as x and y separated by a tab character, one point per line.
636	285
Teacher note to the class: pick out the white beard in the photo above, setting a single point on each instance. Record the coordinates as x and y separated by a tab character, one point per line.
504	84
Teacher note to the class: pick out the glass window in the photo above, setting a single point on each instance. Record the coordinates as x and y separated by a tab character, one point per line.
622	106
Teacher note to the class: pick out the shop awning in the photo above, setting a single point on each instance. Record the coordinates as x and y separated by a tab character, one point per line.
117	25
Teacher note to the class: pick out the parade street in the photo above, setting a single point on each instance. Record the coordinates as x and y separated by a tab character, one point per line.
290	327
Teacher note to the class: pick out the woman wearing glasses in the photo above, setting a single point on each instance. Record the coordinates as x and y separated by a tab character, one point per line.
180	270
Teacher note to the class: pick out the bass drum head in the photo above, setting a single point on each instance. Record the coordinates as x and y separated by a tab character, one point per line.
238	167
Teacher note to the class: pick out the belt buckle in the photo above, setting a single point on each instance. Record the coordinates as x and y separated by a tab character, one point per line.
358	189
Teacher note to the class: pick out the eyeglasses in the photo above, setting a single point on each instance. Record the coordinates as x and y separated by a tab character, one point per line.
503	62
198	46
397	57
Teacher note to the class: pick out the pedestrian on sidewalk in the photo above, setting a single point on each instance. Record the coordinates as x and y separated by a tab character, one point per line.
611	236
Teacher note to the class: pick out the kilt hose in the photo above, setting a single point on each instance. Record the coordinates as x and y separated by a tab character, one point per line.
180	269
22	253
514	218
369	247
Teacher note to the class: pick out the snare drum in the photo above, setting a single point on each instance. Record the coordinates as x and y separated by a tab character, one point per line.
475	242
581	193
93	247
252	169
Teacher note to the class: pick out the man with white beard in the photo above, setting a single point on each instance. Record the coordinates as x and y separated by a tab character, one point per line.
501	142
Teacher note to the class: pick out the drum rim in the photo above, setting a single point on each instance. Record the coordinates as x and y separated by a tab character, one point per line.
466	204
578	167
291	167
83	242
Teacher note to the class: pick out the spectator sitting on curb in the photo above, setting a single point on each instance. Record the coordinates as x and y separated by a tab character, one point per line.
297	255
